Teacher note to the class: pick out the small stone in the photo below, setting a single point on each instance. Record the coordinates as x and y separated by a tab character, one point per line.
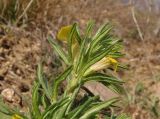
8	94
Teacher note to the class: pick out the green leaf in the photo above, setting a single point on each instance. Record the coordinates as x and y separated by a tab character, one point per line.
45	101
115	87
4	109
61	113
59	50
102	32
116	55
36	101
78	37
76	113
4	116
50	111
95	109
109	81
84	46
104	49
70	41
58	80
43	82
102	78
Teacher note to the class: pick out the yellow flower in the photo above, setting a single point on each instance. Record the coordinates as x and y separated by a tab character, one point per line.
16	116
63	35
103	63
112	61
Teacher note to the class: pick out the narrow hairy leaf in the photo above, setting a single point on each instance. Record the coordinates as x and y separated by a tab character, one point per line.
42	81
54	108
97	108
103	32
61	113
78	37
76	113
57	82
70	41
4	108
35	101
115	87
102	78
59	50
84	45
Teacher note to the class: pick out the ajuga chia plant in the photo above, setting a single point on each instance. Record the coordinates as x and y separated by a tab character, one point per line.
84	58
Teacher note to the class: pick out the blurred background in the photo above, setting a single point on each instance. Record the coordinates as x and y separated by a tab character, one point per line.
25	24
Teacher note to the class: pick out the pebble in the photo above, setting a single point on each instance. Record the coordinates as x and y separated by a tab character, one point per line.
8	94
